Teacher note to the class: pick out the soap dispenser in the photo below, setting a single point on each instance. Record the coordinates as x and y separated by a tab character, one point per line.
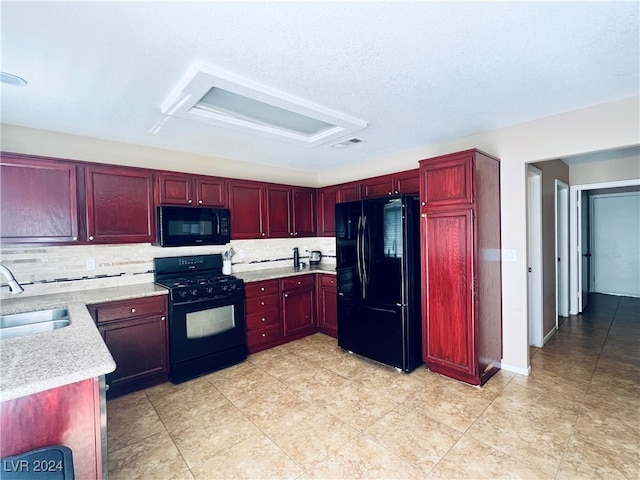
296	257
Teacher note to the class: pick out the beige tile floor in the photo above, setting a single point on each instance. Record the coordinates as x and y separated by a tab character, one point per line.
309	410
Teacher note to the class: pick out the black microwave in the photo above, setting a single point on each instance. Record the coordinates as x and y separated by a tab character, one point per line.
189	226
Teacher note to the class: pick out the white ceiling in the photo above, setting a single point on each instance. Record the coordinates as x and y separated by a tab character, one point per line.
418	73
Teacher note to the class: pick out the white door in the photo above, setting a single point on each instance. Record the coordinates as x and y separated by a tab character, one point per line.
615	221
585	249
534	255
562	249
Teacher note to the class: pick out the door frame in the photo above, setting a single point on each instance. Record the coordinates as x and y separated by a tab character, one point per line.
534	256
575	228
561	202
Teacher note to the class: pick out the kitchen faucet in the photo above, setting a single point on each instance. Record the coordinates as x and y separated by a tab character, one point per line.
14	286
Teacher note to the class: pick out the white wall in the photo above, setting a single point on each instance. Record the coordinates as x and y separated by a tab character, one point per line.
601	127
614	170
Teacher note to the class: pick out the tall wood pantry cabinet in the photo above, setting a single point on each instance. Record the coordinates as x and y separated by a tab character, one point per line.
461	265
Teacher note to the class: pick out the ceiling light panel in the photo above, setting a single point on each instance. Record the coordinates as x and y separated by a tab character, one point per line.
223	99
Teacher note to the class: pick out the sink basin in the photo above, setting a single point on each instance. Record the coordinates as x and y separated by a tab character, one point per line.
29	323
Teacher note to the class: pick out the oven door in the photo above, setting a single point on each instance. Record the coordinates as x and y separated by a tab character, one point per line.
206	327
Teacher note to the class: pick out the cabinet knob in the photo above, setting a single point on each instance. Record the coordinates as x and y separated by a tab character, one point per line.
90	237
189	201
397	192
200	202
262	303
291	234
423	203
163	318
133	310
74	238
286	295
263	319
262	234
389	193
299	283
264	335
424	215
262	289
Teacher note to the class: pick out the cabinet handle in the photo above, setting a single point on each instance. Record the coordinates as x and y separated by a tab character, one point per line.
133	310
189	201
163	318
200	202
91	237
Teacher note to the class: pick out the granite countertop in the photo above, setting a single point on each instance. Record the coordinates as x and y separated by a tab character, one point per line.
39	362
274	273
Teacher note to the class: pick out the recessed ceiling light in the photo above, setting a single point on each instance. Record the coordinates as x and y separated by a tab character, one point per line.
11	79
221	98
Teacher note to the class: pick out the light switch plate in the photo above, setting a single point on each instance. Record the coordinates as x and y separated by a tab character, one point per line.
91	263
508	255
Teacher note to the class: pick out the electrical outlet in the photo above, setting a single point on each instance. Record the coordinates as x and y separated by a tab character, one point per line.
91	263
241	254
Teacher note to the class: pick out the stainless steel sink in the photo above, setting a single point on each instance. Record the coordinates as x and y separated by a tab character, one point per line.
29	323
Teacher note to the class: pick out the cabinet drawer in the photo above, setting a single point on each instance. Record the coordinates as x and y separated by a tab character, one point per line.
328	280
297	282
141	307
263	319
263	336
256	289
257	305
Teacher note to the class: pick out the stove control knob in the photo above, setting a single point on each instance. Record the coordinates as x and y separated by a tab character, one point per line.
182	293
194	292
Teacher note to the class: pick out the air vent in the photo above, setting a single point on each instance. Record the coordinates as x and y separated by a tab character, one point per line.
346	143
223	99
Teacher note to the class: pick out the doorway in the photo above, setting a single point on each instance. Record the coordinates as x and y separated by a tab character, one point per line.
562	249
534	255
580	257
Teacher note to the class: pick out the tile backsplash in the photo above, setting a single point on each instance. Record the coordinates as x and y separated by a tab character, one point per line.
45	270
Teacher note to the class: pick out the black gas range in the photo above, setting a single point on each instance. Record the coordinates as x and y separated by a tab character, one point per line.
207	329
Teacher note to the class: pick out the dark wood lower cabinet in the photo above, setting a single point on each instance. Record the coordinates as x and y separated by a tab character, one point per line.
327	305
298	306
136	334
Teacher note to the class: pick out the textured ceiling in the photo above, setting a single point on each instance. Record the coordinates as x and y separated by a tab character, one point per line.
418	73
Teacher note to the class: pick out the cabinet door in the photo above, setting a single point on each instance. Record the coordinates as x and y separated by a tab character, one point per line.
328	305
120	205
175	189
298	311
327	212
304	212
211	191
247	203
446	180
347	192
279	211
38	200
447	241
139	348
377	187
406	183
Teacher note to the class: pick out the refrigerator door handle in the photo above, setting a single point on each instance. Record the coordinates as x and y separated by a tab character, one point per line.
365	276
358	250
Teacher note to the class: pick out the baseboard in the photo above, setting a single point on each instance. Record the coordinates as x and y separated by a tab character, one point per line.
521	371
549	335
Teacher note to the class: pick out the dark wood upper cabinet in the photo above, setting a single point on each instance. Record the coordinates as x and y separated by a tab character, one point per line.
38	200
461	266
401	183
327	211
304	211
348	192
248	204
291	211
119	205
196	190
280	211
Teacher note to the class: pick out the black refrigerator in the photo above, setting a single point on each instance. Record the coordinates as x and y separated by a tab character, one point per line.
378	273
